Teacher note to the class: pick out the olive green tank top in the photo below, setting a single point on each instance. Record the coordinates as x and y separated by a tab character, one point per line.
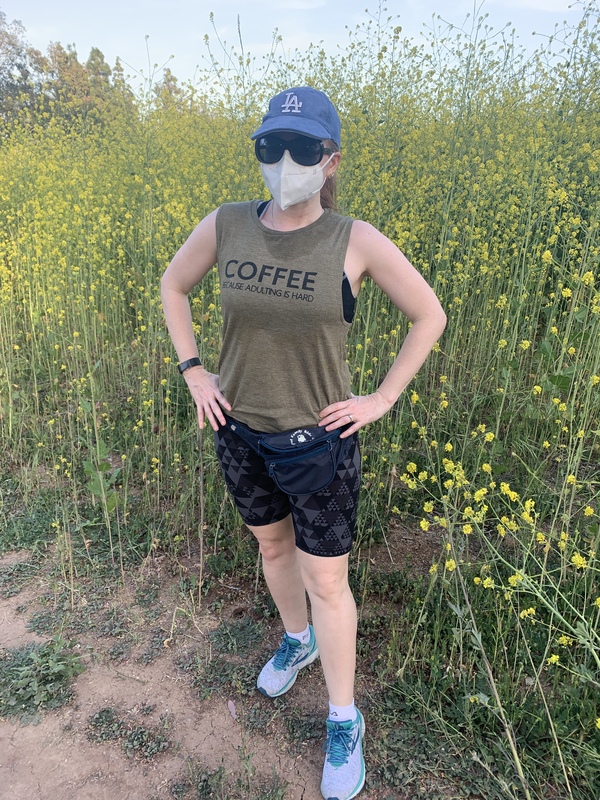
283	353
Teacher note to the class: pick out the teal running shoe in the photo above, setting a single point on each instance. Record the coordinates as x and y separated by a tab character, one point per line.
344	770
279	674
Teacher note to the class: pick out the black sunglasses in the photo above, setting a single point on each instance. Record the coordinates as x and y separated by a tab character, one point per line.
305	151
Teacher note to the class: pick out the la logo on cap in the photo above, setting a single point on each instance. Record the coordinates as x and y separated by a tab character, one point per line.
292	104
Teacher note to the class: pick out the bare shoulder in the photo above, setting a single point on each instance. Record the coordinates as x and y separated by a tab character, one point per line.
205	232
373	254
196	255
364	236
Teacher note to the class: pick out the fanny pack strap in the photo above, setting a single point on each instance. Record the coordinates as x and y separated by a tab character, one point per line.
261	442
244	432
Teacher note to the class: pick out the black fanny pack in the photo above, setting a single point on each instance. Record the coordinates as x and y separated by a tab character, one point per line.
300	461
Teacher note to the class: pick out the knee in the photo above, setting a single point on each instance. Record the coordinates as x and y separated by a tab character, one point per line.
272	550
330	589
275	541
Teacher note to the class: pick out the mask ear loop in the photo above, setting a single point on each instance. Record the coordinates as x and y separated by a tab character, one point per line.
324	165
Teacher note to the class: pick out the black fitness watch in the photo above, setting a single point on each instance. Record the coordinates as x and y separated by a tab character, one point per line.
191	362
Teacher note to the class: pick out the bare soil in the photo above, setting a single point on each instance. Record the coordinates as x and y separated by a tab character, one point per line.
53	757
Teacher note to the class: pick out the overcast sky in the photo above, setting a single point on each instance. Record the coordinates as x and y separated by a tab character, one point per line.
177	27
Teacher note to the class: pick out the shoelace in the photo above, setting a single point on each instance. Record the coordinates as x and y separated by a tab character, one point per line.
338	745
284	654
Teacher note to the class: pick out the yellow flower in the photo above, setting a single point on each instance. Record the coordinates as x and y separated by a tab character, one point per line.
424	525
537	389
487	468
571	480
515	579
414	398
525	344
488	583
433	569
489	437
527	613
450	565
588	511
579	561
448	447
505	489
411	467
554	659
428	507
467	529
477	580
502	344
598	722
566	641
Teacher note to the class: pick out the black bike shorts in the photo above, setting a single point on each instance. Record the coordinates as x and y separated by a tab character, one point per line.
324	521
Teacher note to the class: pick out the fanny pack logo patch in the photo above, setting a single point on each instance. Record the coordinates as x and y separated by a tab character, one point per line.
301	436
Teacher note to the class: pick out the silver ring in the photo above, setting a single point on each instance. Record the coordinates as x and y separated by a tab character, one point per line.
351	417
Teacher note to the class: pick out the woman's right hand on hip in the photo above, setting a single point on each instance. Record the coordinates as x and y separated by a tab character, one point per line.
210	402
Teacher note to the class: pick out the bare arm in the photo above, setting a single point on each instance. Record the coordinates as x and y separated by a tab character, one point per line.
191	263
371	253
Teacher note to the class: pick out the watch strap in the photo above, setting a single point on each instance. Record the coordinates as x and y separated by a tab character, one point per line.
191	362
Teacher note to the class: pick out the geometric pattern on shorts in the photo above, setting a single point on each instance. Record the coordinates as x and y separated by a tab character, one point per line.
256	496
324	521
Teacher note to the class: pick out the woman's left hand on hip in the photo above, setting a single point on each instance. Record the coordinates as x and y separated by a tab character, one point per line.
356	412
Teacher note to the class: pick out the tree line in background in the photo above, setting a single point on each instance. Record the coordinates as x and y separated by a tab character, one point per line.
482	163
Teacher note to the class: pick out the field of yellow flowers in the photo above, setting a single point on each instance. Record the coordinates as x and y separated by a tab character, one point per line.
483	165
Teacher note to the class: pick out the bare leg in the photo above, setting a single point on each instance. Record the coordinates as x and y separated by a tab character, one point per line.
334	619
277	544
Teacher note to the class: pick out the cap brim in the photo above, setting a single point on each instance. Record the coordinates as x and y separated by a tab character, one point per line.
305	127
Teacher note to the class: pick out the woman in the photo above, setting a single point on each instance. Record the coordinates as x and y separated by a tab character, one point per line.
290	269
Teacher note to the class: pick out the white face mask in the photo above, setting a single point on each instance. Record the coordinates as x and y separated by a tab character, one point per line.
291	183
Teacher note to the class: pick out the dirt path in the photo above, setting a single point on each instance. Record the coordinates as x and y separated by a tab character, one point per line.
166	707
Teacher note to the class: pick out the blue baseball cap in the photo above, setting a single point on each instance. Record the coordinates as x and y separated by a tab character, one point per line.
302	110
